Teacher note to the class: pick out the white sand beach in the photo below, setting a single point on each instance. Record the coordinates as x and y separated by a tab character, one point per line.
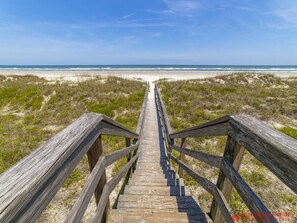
149	76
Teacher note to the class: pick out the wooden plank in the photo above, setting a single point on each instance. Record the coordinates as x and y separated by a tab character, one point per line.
275	150
93	156
112	130
112	157
182	158
210	187
109	187
150	216
253	202
98	217
163	110
81	204
28	187
114	181
38	177
234	153
157	190
217	127
143	111
209	159
110	123
157	202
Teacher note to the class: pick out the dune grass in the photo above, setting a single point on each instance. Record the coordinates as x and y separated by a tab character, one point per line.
32	110
266	97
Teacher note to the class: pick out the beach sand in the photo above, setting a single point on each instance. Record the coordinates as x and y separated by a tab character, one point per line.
149	76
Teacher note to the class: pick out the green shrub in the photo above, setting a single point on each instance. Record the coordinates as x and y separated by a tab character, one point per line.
289	131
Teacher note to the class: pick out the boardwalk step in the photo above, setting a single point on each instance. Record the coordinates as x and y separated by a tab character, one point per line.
169	191
152	216
154	193
140	182
168	174
158	202
154	179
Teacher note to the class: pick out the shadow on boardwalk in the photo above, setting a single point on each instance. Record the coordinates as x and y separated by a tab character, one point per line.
185	202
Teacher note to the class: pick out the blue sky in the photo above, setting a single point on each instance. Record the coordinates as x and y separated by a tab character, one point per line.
148	32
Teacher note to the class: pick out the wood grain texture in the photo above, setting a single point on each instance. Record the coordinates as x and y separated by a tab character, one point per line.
217	127
275	150
210	187
94	154
163	110
81	204
182	158
233	153
252	201
111	124
143	111
112	157
28	186
154	188
212	160
109	187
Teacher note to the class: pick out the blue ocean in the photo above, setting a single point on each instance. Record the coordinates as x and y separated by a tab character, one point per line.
235	68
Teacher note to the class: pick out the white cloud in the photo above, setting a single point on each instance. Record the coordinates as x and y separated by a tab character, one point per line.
176	6
288	18
129	15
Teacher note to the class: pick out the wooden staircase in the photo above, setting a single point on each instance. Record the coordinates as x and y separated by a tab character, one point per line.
154	192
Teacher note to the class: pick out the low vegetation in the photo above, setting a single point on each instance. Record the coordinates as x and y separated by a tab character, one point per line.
266	97
34	109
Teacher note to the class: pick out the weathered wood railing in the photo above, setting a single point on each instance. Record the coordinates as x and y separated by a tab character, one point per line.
28	187
275	150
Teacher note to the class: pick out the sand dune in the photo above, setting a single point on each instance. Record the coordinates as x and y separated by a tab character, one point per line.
145	75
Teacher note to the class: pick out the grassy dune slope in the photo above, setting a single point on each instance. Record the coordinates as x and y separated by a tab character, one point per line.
270	99
33	109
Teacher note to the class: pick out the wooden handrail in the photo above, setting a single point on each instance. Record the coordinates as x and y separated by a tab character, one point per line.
210	187
80	206
143	111
28	187
250	198
218	127
277	151
109	187
163	110
272	148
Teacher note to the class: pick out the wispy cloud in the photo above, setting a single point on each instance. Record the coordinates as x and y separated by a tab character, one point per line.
128	15
239	7
288	18
176	6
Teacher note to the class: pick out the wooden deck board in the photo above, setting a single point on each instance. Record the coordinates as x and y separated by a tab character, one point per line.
155	193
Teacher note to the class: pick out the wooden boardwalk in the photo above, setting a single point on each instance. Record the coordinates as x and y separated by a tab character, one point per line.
155	193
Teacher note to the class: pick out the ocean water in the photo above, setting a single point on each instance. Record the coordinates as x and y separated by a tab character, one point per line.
234	68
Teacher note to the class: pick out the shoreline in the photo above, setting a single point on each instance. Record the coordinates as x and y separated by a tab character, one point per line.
132	74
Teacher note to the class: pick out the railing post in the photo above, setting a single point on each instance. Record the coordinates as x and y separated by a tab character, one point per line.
93	155
233	153
182	157
129	156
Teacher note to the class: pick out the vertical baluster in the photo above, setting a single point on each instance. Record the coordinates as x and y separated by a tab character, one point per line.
129	156
182	158
234	153
93	155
